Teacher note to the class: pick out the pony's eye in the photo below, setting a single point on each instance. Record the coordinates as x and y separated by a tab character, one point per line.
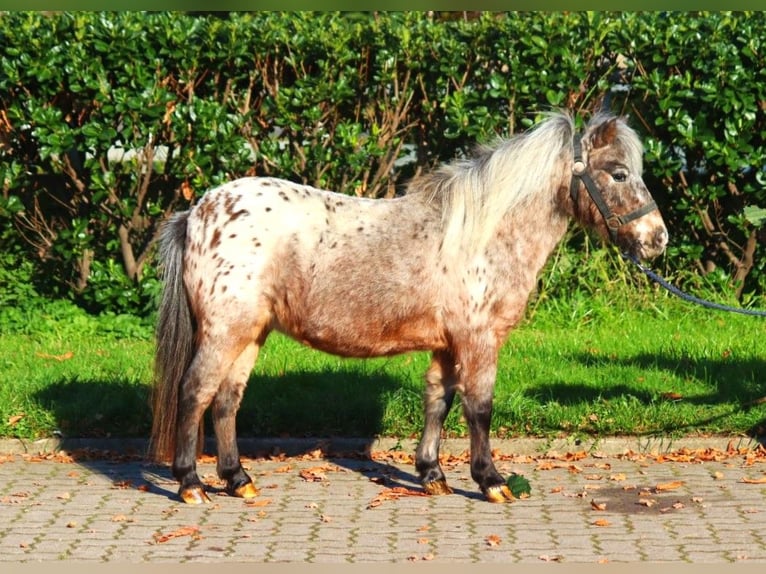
620	176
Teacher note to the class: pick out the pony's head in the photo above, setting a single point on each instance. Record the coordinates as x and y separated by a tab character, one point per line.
608	192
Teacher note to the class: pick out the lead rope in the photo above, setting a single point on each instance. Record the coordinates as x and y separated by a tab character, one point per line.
685	296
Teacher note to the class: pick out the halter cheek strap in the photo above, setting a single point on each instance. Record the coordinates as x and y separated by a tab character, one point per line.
580	172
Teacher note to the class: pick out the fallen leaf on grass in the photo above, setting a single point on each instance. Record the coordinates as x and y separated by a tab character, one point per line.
546	558
601	522
184	531
65	357
619	477
648	502
12	420
493	540
597	505
256	503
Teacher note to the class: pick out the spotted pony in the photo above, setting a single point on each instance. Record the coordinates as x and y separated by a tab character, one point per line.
447	268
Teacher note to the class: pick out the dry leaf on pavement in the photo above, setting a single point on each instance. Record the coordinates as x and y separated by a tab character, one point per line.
315	474
665	486
184	531
747	480
394	493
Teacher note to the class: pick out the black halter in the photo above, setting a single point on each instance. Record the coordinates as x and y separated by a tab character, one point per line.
613	222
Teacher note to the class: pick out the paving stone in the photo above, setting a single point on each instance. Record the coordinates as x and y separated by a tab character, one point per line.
124	510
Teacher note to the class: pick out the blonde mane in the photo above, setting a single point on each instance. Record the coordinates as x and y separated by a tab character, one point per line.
476	193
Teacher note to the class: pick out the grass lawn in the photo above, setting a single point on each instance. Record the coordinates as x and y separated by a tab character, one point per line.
585	368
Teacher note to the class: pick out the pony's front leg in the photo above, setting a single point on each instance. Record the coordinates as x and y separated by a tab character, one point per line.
477	407
439	394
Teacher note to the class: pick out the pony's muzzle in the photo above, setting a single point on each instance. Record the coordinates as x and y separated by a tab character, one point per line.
655	244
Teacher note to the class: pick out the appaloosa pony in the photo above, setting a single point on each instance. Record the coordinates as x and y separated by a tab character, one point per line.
447	267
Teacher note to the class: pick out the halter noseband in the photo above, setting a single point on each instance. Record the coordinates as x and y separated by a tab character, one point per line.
613	222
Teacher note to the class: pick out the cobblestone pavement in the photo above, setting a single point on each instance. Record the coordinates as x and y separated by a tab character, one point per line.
690	505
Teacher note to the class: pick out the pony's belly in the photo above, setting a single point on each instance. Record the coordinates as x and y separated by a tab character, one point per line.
368	338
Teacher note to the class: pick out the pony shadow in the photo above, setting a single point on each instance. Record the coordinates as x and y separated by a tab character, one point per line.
733	381
339	412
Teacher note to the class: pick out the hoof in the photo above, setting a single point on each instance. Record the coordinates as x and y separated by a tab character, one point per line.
499	493
194	495
247	490
437	487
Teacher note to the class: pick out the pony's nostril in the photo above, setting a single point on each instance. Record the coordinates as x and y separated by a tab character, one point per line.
660	238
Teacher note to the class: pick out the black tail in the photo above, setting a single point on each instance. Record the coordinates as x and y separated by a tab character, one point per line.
174	339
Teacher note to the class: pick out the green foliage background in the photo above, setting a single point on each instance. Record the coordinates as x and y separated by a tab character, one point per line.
110	121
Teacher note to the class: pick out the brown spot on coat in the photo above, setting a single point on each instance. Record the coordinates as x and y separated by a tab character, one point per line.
215	241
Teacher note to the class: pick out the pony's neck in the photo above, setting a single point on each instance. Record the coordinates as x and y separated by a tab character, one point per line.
530	233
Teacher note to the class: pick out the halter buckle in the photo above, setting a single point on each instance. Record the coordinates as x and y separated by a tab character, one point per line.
613	222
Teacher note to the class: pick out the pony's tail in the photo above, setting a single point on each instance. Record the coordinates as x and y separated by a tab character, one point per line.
174	348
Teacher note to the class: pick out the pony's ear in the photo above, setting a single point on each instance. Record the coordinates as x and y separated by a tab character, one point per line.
604	134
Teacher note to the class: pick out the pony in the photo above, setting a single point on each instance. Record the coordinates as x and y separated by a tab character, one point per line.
447	267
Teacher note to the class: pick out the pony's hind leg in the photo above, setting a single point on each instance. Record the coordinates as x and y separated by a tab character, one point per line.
208	370
439	394
225	407
198	387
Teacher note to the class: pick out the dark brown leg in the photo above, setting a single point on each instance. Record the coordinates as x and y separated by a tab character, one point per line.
439	395
477	375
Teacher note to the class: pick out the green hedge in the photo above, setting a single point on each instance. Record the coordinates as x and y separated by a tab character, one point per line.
109	121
